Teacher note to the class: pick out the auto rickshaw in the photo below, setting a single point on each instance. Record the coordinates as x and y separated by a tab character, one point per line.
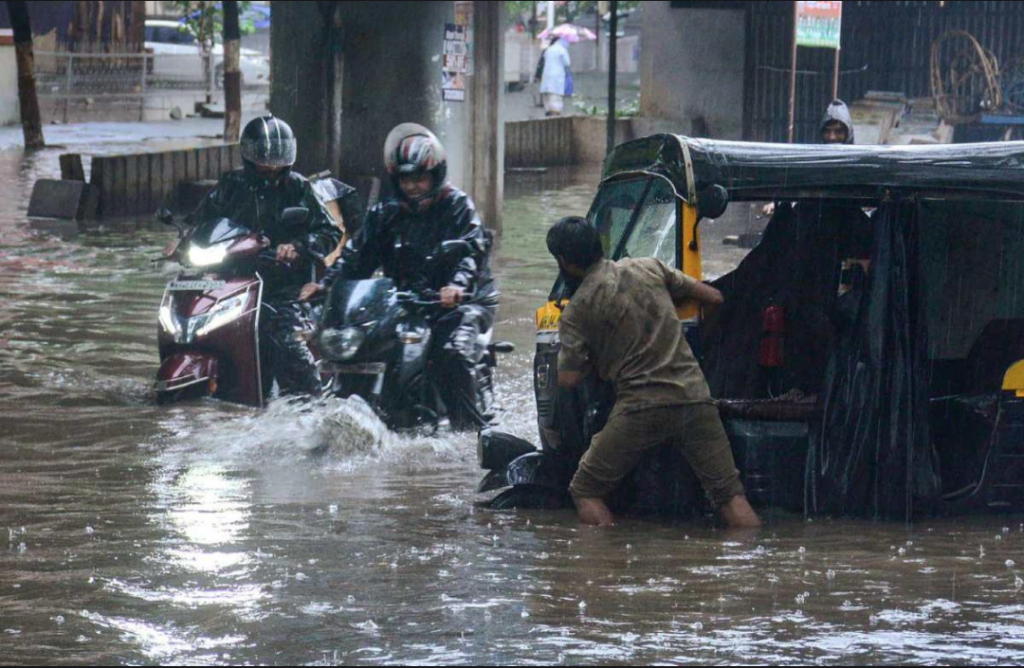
868	360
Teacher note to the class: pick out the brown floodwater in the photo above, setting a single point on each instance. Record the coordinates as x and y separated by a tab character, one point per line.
205	533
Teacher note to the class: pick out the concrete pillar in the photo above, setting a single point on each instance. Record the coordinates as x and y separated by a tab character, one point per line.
381	72
692	70
299	66
487	158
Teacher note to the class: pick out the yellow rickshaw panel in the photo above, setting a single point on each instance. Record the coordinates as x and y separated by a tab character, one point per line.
1014	381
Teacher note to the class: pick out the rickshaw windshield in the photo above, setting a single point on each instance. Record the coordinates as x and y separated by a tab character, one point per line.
638	218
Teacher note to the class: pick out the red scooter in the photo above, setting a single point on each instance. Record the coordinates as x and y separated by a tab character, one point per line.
210	313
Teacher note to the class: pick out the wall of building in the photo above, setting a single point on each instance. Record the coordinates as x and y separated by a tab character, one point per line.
692	69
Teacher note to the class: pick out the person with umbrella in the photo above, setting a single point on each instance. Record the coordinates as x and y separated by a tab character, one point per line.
555	73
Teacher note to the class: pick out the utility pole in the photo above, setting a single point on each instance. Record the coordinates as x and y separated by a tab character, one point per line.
613	62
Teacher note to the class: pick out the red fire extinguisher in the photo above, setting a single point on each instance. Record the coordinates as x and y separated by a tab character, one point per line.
773	337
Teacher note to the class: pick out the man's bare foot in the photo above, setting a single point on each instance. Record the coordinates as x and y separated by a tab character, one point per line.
594	512
738	514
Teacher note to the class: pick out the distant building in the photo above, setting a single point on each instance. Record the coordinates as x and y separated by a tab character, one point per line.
721	69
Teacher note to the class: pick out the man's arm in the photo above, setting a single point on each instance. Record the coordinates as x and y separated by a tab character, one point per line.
322	235
574	355
707	295
683	287
467	226
361	256
570	379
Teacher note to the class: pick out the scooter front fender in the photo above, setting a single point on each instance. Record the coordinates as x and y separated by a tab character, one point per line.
182	370
538	469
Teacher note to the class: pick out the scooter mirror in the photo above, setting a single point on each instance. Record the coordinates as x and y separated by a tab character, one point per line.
164	215
456	250
294	215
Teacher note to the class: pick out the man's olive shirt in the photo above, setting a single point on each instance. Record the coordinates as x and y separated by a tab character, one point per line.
622	321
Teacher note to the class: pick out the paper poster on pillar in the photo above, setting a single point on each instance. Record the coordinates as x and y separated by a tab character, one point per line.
455	63
464	18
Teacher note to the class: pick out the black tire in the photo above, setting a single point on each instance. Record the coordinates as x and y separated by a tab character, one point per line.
531	497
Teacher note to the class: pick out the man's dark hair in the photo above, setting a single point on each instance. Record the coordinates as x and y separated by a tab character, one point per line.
576	241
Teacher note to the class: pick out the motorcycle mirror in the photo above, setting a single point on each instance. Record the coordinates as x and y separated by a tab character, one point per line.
164	215
294	215
456	250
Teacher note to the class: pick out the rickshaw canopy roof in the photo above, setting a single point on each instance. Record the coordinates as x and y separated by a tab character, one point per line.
752	171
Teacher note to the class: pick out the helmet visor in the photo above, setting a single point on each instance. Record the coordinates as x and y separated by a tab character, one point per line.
270	151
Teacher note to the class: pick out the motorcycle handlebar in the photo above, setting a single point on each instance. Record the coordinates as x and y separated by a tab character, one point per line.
428	298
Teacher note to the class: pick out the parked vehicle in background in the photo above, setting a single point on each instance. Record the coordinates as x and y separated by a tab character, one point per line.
178	55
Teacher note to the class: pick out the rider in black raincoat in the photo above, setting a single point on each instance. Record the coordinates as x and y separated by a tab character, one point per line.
402	236
257	195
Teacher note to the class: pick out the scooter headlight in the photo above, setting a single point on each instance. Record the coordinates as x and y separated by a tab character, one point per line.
342	344
210	256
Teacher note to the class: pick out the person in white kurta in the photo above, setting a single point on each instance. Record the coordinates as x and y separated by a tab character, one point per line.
552	83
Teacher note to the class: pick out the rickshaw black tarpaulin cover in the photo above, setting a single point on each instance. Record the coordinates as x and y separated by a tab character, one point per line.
872	454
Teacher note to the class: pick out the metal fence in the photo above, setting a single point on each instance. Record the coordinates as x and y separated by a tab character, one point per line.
886	47
132	77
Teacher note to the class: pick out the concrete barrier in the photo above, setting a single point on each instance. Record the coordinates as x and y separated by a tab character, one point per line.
564	140
546	142
64	200
139	184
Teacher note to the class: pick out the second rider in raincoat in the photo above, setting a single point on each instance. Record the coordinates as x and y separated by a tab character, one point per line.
402	236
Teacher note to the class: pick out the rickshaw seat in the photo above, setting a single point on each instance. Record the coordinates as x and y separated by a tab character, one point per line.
803	409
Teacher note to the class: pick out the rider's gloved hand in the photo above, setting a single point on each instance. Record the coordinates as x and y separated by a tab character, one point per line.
309	290
451	296
287	253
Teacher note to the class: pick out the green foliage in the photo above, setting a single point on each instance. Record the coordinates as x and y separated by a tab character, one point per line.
630	109
205	20
565	12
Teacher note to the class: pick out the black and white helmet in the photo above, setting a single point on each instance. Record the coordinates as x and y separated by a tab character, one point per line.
269	142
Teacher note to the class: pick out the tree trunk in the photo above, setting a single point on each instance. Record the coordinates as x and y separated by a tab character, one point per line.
232	74
137	33
31	124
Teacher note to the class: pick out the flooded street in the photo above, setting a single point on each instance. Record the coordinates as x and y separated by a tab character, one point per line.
205	533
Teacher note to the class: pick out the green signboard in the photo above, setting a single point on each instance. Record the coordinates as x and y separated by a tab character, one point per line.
819	24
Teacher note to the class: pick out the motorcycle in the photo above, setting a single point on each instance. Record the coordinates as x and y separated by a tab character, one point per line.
210	313
375	342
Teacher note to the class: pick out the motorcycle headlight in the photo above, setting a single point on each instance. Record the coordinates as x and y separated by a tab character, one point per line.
222	313
342	344
210	256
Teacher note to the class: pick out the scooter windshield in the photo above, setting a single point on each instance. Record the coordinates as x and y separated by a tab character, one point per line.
359	302
218	230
